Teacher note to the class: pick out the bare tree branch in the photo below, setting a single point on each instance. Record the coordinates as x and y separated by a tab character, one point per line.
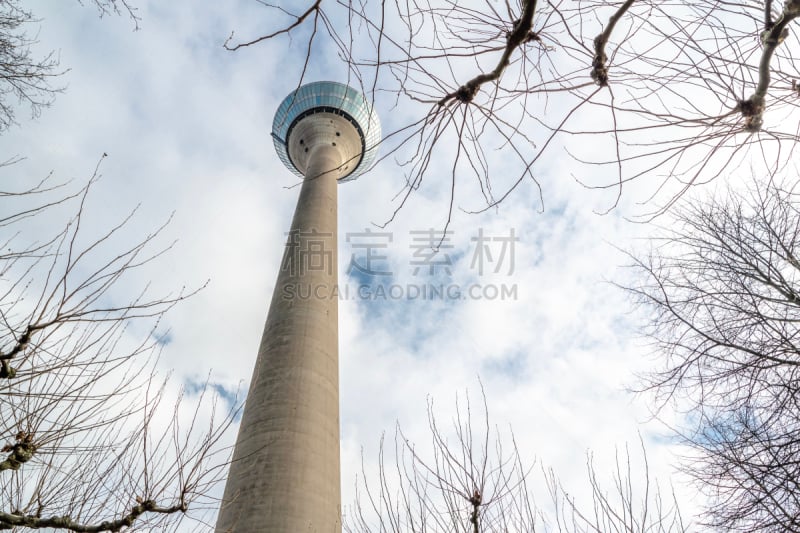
472	480
494	91
85	442
599	64
7	521
26	79
722	291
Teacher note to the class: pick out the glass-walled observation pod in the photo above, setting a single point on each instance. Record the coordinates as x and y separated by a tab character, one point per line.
328	97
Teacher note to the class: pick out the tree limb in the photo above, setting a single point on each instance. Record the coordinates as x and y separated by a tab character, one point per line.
11	520
520	34
287	29
599	68
774	34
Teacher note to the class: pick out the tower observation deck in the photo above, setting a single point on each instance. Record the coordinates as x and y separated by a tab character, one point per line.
285	474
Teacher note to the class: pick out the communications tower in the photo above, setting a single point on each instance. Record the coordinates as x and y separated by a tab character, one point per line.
285	475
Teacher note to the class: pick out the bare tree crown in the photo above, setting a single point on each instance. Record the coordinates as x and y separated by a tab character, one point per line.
670	94
88	440
723	296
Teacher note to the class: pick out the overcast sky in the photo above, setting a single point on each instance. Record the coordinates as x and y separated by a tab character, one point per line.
186	128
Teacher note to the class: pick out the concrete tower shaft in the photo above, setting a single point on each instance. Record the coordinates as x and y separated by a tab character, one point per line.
285	471
285	474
